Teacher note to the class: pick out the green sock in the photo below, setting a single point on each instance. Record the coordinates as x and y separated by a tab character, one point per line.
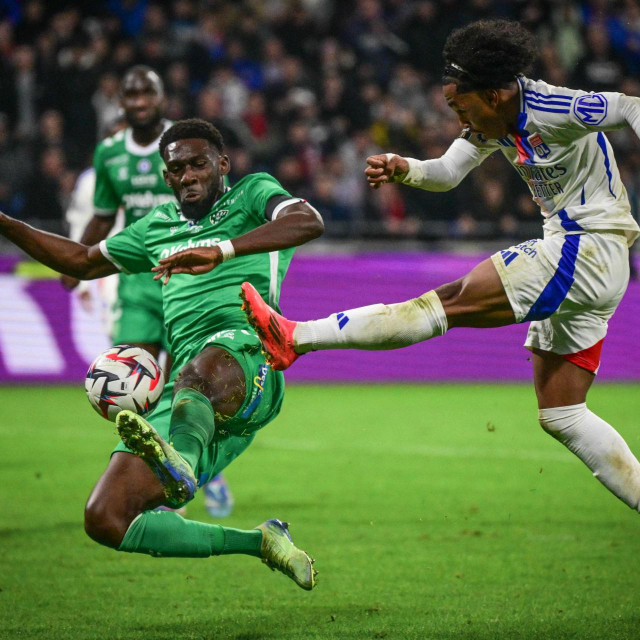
168	534
192	425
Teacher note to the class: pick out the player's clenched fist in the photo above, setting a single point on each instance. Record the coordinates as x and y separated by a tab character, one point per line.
385	167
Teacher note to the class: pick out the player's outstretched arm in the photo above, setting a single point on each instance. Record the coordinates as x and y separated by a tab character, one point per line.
438	174
296	224
97	229
59	253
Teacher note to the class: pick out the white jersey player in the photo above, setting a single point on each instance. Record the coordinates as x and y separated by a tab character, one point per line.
560	150
567	284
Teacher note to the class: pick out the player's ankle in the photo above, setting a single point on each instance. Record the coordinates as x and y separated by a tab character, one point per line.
304	337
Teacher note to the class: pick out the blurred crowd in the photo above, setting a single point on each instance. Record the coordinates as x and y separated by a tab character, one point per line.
303	89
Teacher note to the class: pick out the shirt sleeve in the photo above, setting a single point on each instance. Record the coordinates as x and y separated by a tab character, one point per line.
604	111
105	199
127	249
259	192
446	172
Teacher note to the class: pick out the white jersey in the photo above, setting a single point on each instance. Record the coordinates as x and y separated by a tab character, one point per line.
560	151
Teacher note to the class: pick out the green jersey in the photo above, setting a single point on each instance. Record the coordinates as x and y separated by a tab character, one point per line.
129	175
196	307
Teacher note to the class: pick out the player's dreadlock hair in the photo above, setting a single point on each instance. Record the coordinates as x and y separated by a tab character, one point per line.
192	128
487	54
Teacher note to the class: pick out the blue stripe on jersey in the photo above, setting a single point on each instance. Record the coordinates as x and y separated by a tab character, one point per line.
558	287
544	96
538	108
567	223
560	103
582	196
607	165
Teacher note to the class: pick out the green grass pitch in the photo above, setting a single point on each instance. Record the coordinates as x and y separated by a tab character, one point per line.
433	512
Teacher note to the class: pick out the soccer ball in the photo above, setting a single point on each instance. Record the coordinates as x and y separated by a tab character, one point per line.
124	377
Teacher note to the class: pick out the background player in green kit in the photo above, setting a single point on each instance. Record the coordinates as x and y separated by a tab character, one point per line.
128	169
224	391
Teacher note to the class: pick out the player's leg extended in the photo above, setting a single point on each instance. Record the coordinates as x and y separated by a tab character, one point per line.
561	387
131	486
119	515
476	300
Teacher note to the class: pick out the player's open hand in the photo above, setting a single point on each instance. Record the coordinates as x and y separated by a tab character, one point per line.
191	261
382	169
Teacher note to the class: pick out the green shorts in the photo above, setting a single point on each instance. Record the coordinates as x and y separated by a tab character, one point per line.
133	324
262	403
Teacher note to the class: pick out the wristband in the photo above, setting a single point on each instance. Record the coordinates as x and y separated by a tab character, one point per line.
228	252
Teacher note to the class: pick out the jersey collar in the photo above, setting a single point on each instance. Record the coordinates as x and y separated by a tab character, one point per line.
521	80
143	150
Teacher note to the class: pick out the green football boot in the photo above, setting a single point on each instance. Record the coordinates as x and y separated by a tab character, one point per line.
167	464
279	552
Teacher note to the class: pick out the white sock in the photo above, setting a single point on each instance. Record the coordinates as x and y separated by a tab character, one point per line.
376	327
599	446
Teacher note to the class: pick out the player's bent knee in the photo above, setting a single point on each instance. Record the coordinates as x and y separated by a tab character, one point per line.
557	420
191	378
104	524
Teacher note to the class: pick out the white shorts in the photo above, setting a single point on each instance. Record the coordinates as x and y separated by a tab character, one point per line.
567	286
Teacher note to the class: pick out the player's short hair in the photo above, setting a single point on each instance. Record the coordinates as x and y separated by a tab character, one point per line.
192	128
487	54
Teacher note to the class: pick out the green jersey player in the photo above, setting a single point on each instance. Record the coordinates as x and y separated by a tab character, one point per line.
128	169
223	389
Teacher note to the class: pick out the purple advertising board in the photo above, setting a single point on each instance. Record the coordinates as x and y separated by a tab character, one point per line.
47	336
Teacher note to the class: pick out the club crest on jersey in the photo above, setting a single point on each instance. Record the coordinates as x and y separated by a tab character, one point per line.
539	146
218	215
591	108
144	165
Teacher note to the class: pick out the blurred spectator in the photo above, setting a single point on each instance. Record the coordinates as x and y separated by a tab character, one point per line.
51	129
303	89
106	102
233	92
25	87
45	197
32	23
599	69
15	167
335	214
